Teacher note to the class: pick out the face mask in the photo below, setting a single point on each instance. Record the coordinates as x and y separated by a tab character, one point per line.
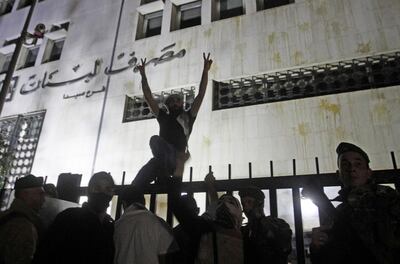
99	202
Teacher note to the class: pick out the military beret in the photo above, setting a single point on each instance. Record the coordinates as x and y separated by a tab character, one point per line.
347	147
252	191
29	181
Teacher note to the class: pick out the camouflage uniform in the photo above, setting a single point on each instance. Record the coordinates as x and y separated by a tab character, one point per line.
20	228
366	227
267	240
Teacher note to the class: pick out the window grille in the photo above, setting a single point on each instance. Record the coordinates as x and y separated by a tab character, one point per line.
137	109
343	76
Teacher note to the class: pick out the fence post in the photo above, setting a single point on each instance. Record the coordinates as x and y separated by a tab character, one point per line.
397	179
250	173
273	201
119	202
298	221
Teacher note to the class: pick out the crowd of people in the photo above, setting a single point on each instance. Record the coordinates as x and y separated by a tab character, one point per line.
364	228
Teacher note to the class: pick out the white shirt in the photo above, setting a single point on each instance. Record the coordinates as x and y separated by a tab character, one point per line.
140	237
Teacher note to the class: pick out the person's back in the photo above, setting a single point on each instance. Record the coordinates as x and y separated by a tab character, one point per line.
140	236
77	236
267	240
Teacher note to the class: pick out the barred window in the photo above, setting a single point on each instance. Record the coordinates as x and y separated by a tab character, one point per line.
343	76
137	109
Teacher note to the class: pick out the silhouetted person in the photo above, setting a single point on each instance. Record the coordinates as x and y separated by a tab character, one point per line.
20	225
366	225
266	239
83	235
213	241
140	236
170	148
182	237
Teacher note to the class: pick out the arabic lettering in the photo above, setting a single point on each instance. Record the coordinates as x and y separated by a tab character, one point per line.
132	63
87	77
87	94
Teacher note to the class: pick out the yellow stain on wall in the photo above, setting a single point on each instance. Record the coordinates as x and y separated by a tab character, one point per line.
340	133
277	58
271	38
206	141
321	9
298	57
381	111
364	47
303	129
207	33
332	108
284	35
304	26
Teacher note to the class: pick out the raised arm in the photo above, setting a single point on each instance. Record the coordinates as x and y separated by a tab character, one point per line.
146	89
203	85
212	194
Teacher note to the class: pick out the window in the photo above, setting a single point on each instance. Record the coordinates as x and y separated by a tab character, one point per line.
226	8
149	25
21	134
53	50
342	76
267	4
143	2
137	109
24	3
6	6
29	57
5	62
187	15
60	27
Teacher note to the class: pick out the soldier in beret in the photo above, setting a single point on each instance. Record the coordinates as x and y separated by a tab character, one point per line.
20	225
266	239
366	225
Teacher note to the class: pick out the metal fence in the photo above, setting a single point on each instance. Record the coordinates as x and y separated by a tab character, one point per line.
272	184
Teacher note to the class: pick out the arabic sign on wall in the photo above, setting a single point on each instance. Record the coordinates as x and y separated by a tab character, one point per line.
48	80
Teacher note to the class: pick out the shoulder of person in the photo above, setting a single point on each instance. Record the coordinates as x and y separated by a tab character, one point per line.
276	227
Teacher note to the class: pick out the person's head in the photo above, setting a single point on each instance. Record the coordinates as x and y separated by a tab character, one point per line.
252	199
190	203
100	191
174	103
50	190
29	189
131	195
229	212
353	164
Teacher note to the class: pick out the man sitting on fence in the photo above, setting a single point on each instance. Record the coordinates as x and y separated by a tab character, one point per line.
266	239
170	149
366	226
